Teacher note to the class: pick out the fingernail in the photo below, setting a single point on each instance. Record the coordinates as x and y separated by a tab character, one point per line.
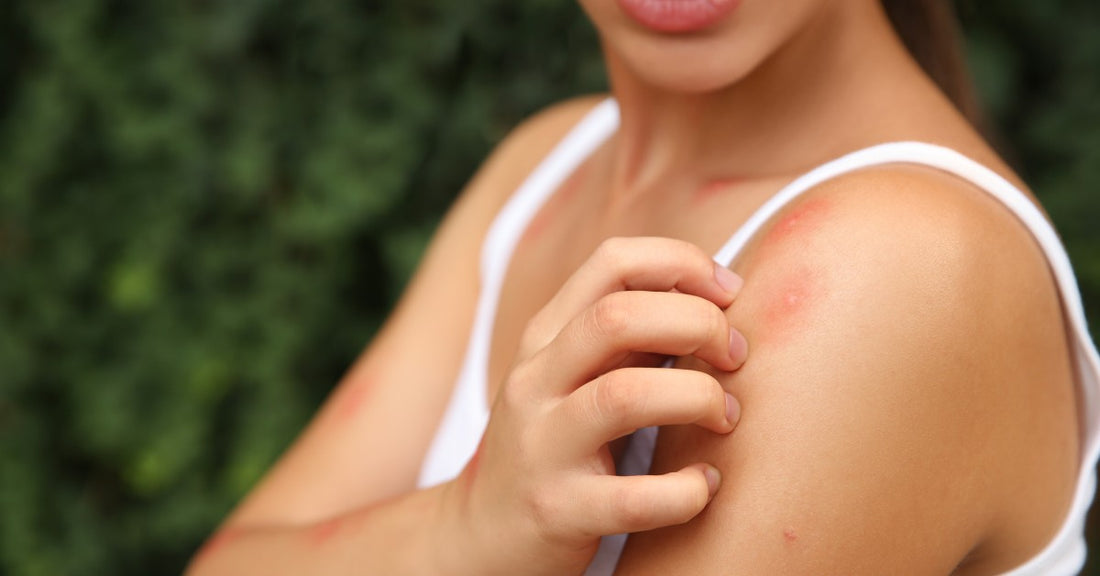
739	348
729	281
714	478
733	410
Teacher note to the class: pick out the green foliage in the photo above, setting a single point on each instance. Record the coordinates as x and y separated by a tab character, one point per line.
206	208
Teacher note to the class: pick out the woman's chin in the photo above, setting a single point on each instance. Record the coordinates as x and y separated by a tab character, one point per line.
686	75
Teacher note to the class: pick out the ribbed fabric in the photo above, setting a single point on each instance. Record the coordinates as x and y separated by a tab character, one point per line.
468	412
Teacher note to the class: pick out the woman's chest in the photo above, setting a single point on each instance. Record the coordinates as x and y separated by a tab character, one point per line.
570	225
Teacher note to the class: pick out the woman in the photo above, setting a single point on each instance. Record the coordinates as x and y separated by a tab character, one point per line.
920	392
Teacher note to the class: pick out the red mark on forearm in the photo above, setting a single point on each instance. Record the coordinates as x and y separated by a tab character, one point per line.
324	531
801	218
353	395
351	402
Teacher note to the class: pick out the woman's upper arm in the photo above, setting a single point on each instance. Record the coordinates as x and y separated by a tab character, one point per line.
907	402
366	442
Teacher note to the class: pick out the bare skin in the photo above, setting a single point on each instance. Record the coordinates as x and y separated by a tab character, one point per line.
874	436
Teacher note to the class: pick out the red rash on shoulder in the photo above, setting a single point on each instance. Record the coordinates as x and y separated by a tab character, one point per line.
789	535
565	192
714	188
790	297
804	217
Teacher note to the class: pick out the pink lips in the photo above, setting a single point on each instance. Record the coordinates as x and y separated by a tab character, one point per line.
677	15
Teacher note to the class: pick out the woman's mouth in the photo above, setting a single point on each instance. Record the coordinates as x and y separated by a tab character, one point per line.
677	16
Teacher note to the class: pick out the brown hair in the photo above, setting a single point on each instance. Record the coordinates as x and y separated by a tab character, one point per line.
931	32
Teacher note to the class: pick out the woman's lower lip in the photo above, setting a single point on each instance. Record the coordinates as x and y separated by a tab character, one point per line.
677	15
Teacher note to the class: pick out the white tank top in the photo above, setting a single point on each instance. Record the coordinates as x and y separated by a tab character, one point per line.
468	412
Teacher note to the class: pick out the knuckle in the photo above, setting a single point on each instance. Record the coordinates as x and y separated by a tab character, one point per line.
613	255
610	315
615	396
534	336
521	378
612	249
689	255
691	251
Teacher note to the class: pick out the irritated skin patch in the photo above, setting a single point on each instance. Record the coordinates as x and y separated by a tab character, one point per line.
324	532
792	295
797	222
789	295
353	397
352	403
789	536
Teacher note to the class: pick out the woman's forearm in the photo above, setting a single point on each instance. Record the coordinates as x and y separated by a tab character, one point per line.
399	536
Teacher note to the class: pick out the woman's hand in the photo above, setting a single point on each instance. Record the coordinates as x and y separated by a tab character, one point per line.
542	488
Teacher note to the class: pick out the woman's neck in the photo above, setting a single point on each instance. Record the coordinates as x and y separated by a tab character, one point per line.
801	106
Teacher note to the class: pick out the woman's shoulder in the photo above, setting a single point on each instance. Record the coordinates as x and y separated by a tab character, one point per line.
908	398
958	233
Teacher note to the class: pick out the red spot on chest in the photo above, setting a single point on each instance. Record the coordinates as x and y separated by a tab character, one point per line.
714	188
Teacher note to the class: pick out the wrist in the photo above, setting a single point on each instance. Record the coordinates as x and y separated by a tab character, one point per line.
452	540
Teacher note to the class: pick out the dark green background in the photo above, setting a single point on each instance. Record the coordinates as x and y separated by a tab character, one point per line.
207	207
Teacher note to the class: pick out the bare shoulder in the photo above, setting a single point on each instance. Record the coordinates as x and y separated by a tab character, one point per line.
908	398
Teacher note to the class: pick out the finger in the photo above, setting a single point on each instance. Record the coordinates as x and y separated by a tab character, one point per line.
618	324
622	504
642	263
620	402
